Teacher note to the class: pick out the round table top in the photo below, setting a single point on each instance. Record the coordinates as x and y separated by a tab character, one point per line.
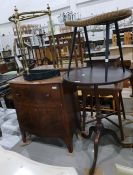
96	76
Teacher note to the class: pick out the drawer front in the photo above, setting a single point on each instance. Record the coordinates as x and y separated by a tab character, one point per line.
40	121
37	94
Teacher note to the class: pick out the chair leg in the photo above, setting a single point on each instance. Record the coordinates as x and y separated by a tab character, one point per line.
106	51
84	110
88	44
122	105
119	116
119	44
72	49
91	105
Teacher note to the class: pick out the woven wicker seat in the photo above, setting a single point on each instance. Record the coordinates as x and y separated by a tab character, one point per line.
101	19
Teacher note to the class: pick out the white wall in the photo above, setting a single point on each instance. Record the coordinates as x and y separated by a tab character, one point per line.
7	6
85	7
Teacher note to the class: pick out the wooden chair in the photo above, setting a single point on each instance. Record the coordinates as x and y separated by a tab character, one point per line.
62	48
113	91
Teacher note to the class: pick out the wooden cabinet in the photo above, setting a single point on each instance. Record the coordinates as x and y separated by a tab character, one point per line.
45	108
3	68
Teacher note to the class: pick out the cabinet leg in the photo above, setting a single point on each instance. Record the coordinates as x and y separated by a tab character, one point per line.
0	133
70	148
23	136
131	83
69	144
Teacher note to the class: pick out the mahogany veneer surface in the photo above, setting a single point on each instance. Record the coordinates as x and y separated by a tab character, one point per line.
45	108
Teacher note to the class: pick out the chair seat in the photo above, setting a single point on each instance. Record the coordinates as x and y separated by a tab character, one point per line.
104	89
102	19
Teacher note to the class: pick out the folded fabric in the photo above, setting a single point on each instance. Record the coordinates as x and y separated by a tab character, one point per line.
123	170
12	163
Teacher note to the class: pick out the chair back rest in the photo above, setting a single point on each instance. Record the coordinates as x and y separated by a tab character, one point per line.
62	48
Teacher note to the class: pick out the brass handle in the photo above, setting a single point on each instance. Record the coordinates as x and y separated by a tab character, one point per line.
18	95
47	95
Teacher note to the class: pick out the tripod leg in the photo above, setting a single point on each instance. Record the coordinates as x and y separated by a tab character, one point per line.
91	129
96	142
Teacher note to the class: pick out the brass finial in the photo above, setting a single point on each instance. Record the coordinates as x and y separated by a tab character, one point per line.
16	12
48	7
15	9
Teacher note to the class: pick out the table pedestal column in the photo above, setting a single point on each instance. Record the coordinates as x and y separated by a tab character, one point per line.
99	130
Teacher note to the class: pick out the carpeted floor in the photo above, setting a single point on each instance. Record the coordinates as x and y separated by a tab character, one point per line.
10	128
54	151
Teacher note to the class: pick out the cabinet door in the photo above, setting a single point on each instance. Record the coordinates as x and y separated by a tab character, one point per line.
48	94
41	121
39	108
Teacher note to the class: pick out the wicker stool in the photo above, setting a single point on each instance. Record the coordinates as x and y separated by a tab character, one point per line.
103	19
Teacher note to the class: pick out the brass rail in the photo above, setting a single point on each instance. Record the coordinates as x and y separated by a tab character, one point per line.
17	17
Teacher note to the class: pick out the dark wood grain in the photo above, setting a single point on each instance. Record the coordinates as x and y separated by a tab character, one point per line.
45	108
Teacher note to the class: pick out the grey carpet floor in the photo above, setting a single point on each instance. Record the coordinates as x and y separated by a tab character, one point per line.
54	151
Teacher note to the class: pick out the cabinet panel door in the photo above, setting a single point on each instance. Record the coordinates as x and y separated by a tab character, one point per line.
37	94
40	120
